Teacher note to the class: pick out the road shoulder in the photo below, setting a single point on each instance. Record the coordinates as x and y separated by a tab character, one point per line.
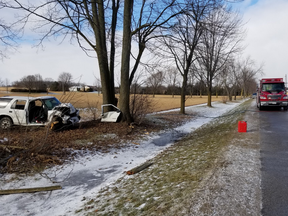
215	171
234	187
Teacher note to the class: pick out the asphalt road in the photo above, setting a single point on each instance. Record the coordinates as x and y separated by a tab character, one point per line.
274	161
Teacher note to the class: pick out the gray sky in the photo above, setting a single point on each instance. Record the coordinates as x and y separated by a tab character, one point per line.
267	33
266	42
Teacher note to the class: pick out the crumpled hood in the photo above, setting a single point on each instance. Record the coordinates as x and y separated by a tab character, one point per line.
67	108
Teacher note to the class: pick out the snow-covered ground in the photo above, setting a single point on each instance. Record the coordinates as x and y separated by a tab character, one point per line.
86	175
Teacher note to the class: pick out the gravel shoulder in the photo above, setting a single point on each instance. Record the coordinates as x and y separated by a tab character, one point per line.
214	171
234	188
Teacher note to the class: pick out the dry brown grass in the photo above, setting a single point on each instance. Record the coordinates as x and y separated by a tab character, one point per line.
85	99
167	102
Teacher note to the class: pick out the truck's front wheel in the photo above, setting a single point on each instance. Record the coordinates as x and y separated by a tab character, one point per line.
285	108
56	124
260	107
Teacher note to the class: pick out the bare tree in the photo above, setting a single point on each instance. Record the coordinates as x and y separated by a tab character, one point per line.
47	83
97	84
8	38
171	79
246	75
184	36
229	78
137	84
201	85
7	82
190	82
219	41
148	20
154	81
39	84
140	104
147	17
65	79
28	82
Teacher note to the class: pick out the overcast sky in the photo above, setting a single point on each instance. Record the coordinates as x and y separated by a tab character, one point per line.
266	42
267	34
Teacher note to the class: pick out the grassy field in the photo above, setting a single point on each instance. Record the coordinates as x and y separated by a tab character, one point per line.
85	99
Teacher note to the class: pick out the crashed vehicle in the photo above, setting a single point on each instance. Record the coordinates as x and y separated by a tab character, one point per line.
36	111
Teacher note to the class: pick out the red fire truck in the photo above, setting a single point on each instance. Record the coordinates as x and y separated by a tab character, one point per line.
272	92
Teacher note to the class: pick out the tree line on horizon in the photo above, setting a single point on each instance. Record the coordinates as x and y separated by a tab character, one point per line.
160	83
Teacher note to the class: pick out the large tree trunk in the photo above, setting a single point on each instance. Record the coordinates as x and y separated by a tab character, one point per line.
183	94
107	76
230	95
125	63
209	98
209	91
229	92
107	91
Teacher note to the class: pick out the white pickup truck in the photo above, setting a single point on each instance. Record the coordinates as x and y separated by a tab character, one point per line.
36	111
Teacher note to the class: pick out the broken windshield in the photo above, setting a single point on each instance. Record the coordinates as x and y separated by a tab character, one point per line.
273	87
51	103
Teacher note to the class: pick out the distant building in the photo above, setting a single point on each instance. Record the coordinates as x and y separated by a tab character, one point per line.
75	88
85	88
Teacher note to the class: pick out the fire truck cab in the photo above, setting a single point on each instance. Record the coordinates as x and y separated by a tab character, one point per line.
272	93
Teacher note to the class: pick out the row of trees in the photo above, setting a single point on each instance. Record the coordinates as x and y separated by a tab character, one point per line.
200	37
236	77
37	83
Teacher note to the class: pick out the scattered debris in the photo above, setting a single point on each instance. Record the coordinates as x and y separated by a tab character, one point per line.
139	168
30	190
13	147
110	116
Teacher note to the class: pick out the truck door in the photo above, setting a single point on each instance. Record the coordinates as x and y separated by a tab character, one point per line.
18	112
37	112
